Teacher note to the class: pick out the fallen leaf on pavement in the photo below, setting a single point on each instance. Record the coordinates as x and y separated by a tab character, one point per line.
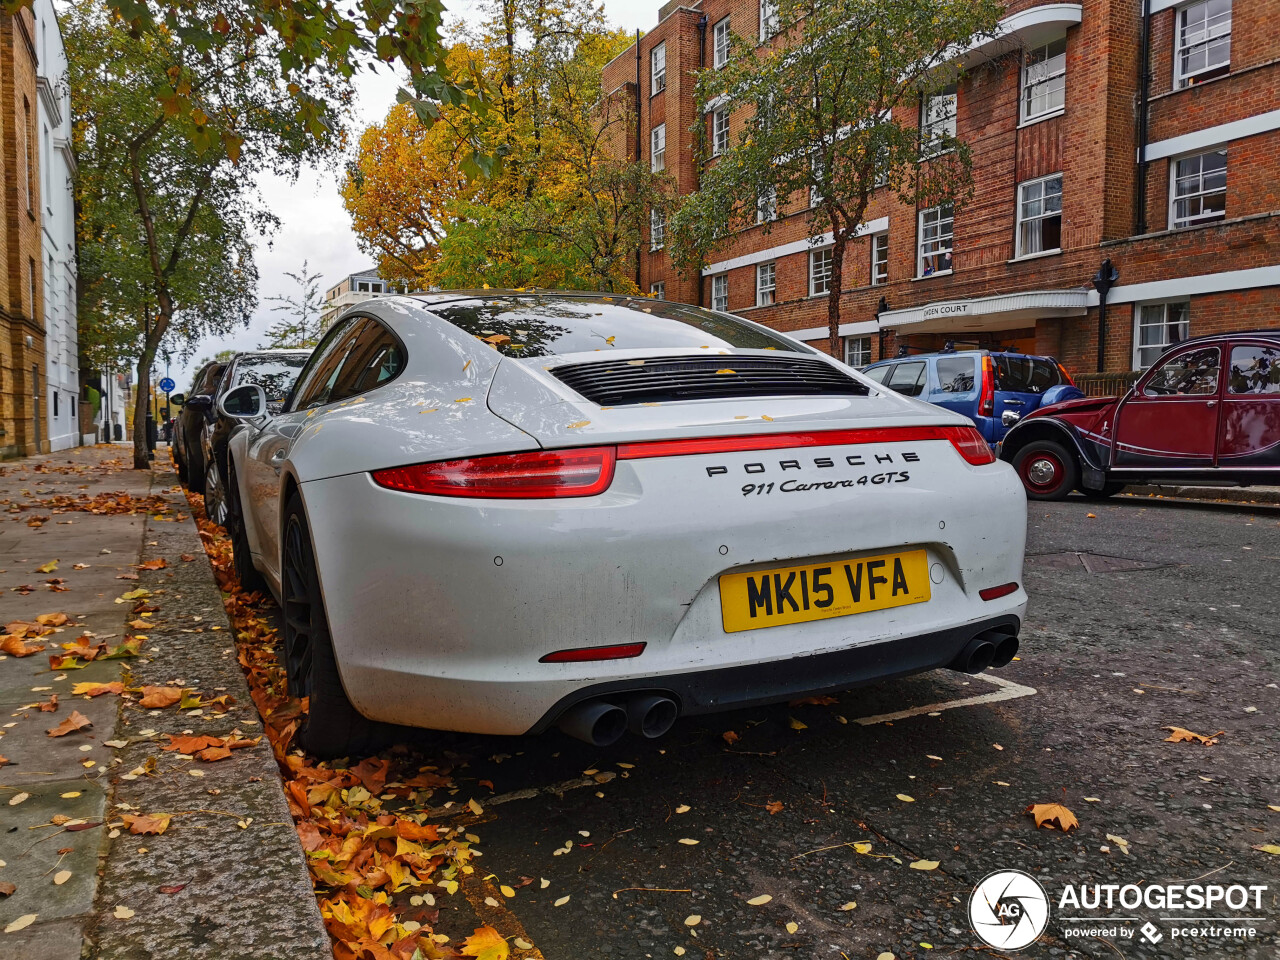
186	557
157	698
49	567
1270	848
486	944
1182	735
1120	842
122	912
792	926
17	798
905	798
760	900
6	889
157	564
730	737
795	724
774	807
77	721
692	920
924	865
687	842
1053	814
173	888
191	744
212	754
4	760
21	923
97	689
16	647
147	823
50	705
683	808
61	877
52	619
849	906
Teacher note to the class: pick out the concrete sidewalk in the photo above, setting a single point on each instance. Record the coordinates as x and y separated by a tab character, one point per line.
227	878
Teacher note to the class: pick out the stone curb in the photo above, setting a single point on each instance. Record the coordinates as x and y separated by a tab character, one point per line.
1263	495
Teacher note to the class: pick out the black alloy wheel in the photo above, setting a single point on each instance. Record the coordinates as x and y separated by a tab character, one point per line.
215	494
332	727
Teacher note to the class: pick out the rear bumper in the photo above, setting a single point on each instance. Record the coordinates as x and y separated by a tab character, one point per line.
733	688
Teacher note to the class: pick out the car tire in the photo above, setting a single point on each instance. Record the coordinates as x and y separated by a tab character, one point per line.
179	464
1048	470
215	495
332	727
251	581
195	472
1108	490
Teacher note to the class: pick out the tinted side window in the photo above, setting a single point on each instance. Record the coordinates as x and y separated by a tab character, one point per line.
1255	369
1025	374
375	358
317	379
907	378
955	374
210	382
879	373
1194	373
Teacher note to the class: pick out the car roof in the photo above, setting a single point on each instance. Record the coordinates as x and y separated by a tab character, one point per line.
274	352
976	352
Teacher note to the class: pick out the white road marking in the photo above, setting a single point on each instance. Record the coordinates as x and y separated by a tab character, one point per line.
1008	690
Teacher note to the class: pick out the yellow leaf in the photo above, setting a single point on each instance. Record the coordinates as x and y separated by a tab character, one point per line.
797	724
507	891
463	400
792	927
862	846
475	807
692	920
122	912
849	906
685	808
562	901
24	921
760	901
1182	735
924	865
687	842
1270	848
579	423
49	567
61	877
906	799
1053	814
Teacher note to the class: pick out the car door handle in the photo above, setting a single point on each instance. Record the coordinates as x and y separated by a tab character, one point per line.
1015	403
1211	403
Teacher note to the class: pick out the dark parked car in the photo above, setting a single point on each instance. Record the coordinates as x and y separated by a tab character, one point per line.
993	389
275	372
1208	410
194	407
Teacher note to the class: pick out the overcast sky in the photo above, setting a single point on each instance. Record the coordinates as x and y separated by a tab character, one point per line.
315	227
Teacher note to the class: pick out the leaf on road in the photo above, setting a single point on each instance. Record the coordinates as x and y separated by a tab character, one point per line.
683	808
760	901
17	798
1182	735
486	944
1120	842
795	724
16	647
122	912
687	842
730	737
924	864
562	901
50	705
774	807
792	926
77	721
157	698
147	823
49	567
692	920
1270	848
157	564
1053	814
851	905
97	689
906	798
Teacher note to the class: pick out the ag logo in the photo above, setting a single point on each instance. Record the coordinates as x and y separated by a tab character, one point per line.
1008	910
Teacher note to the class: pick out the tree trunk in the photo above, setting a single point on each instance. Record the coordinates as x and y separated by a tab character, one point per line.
141	406
833	295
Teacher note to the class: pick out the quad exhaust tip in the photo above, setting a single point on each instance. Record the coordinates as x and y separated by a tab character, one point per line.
601	723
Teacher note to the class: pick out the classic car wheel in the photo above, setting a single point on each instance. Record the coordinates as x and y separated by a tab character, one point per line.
251	581
1108	490
332	726
215	495
1048	471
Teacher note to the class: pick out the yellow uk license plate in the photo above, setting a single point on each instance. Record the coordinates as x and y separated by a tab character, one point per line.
768	598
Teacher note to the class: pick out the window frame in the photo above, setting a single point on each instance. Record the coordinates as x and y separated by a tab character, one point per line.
658	290
340	330
720	292
879	240
769	25
719	126
720	42
1024	114
658	133
824	277
1020	220
1174	222
1182	80
657	230
948	251
658	71
771	289
767	206
1165	345
929	141
848	345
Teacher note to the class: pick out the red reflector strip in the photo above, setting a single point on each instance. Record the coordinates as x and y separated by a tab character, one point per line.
623	651
967	441
995	593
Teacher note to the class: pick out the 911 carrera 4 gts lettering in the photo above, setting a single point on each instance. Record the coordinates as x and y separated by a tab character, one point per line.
770	592
798	486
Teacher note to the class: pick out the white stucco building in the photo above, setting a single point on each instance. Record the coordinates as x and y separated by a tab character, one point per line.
58	234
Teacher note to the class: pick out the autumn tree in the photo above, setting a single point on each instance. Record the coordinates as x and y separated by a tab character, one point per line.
166	210
834	115
300	326
565	210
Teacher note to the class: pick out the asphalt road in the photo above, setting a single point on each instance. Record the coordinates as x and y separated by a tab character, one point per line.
1142	617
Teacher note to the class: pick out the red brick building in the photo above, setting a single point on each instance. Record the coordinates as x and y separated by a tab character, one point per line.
1175	180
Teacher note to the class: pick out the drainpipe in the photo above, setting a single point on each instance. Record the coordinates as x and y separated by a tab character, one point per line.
1144	110
640	149
702	63
1102	282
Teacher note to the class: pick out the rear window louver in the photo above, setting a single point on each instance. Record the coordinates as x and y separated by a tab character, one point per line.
620	382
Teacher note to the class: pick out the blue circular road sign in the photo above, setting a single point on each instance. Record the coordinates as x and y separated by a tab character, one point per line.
167	385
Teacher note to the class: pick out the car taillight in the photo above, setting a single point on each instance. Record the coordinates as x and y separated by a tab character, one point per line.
581	472
987	402
970	444
1066	377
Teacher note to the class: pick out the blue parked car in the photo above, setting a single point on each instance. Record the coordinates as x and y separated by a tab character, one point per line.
993	389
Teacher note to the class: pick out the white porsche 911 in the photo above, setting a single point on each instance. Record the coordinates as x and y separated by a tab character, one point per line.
497	512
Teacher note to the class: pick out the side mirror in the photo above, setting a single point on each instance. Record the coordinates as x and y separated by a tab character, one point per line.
178	398
247	402
200	402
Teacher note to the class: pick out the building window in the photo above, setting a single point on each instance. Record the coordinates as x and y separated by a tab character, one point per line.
819	272
31	284
658	69
45	169
719	132
1040	215
857	351
768	20
879	259
55	404
657	229
1044	80
767	205
1204	42
936	230
658	290
29	148
658	148
1199	193
720	43
938	119
766	284
720	292
1158	326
